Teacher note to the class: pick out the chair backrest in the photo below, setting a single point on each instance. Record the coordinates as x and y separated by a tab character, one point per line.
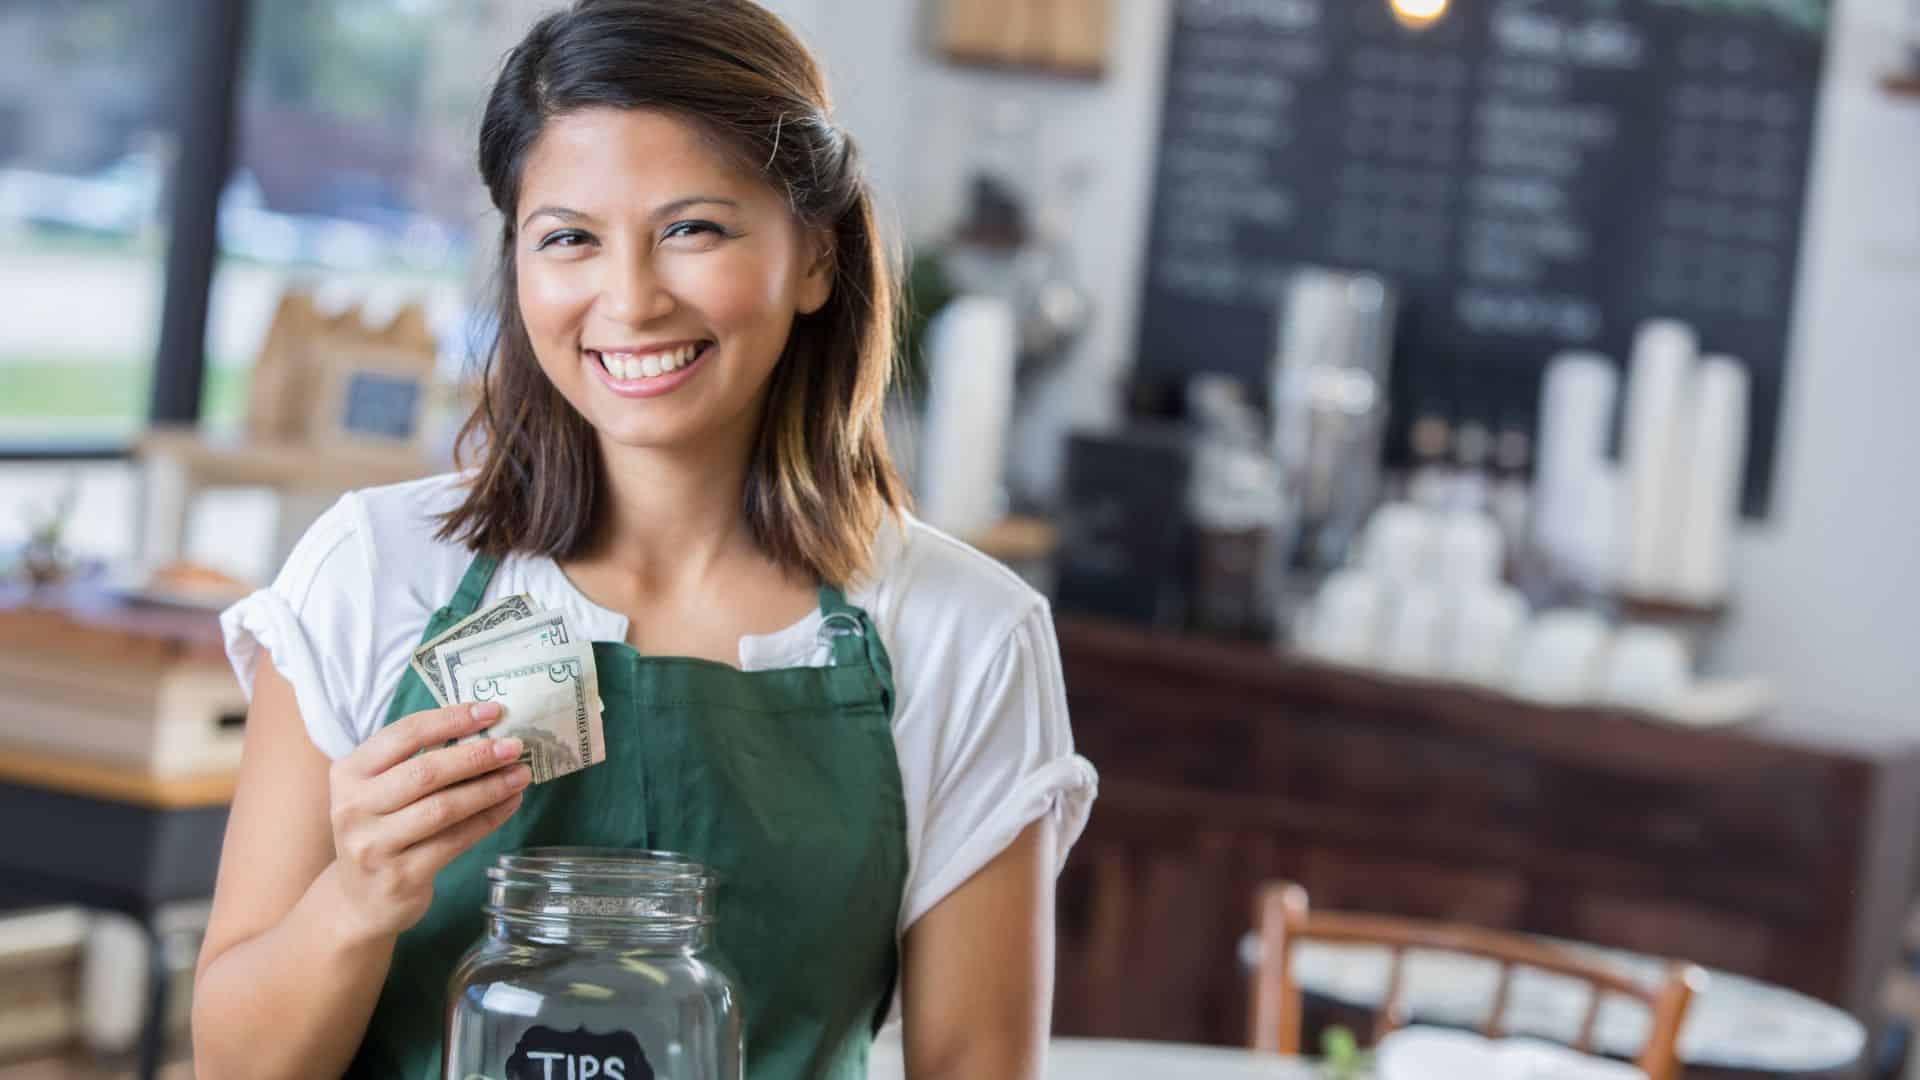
1283	918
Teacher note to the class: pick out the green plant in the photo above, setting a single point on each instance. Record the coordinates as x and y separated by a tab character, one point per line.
1341	1056
44	558
928	289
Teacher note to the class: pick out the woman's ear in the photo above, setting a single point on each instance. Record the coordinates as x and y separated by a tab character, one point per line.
816	288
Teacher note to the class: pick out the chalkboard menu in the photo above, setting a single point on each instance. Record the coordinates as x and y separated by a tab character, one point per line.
1535	175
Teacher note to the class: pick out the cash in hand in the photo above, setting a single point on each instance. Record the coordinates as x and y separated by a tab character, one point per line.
533	664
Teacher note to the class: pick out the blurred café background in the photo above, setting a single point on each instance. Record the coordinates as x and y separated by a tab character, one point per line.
1463	442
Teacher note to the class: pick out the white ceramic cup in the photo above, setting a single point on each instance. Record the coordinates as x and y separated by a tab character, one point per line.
1398	544
1345	626
1479	633
1559	657
1412	641
1646	668
1468	551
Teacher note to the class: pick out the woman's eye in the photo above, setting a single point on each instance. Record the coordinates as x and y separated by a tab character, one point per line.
702	231
565	238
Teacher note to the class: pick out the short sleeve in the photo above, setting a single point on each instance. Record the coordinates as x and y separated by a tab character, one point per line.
316	621
1007	761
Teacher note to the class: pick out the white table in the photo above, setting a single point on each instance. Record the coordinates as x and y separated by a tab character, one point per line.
1736	1023
1117	1059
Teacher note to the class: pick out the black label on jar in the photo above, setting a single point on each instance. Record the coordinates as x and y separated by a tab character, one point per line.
546	1054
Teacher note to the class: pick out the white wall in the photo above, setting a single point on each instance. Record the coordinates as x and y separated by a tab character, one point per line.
866	48
1829	597
1111	125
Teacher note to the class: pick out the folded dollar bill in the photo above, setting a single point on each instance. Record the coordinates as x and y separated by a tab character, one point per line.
542	673
512	609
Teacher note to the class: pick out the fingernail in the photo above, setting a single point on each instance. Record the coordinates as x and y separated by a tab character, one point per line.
486	710
521	777
506	749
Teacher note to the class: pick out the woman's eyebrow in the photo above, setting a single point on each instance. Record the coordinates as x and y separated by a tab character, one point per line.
560	212
677	205
665	210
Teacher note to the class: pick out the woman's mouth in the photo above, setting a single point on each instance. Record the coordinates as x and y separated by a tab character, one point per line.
647	374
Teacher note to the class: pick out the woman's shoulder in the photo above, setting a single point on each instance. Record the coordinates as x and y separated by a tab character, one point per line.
378	543
407	506
942	599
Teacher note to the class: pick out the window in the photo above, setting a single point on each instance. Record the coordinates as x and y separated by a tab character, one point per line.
353	172
88	100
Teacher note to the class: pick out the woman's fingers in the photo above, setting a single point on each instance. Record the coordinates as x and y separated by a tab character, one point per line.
420	776
451	806
429	856
400	740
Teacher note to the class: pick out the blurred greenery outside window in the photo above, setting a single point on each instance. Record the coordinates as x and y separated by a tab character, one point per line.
352	175
88	101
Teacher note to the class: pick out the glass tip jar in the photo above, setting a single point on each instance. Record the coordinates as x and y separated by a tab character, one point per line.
597	964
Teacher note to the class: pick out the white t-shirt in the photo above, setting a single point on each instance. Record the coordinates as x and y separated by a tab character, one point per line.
979	716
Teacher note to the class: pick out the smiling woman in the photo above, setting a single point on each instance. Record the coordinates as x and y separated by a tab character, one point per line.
858	723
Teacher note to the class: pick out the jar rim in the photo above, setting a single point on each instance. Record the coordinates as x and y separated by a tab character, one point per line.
611	864
550	886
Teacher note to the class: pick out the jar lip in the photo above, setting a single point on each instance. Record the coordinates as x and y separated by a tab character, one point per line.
599	885
603	868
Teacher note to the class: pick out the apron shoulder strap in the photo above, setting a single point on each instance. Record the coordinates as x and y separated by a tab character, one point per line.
473	588
854	637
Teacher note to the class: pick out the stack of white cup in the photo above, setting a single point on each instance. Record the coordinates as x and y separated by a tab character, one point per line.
1424	599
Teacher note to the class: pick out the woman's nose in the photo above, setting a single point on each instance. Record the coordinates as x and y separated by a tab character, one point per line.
633	292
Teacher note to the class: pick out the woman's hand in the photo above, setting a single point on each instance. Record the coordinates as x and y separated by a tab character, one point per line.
400	814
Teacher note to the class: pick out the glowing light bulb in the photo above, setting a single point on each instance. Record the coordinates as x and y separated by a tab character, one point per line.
1419	13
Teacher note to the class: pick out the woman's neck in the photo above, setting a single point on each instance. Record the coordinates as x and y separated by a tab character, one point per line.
674	556
670	518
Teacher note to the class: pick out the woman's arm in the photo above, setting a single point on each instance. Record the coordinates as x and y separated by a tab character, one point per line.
299	941
977	979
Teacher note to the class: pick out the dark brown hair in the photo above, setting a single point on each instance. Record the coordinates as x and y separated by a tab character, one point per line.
819	478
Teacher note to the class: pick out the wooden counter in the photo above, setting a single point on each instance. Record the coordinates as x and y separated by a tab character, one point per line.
29	767
1784	849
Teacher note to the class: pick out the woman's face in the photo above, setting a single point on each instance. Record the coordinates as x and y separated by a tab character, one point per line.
657	278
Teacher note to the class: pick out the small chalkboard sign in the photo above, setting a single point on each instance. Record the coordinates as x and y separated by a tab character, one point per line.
375	396
380	406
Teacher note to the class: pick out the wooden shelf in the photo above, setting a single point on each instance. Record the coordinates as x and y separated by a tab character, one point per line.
282	466
1905	85
979	58
1019	539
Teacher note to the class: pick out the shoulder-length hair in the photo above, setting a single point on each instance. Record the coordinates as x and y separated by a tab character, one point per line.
819	478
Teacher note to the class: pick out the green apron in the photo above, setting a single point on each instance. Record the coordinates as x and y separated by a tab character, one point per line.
784	781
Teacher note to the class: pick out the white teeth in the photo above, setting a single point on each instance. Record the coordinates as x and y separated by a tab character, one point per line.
627	367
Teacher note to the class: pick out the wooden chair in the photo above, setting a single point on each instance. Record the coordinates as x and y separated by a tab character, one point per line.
1282	918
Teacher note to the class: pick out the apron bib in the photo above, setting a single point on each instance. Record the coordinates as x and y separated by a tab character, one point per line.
783	781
